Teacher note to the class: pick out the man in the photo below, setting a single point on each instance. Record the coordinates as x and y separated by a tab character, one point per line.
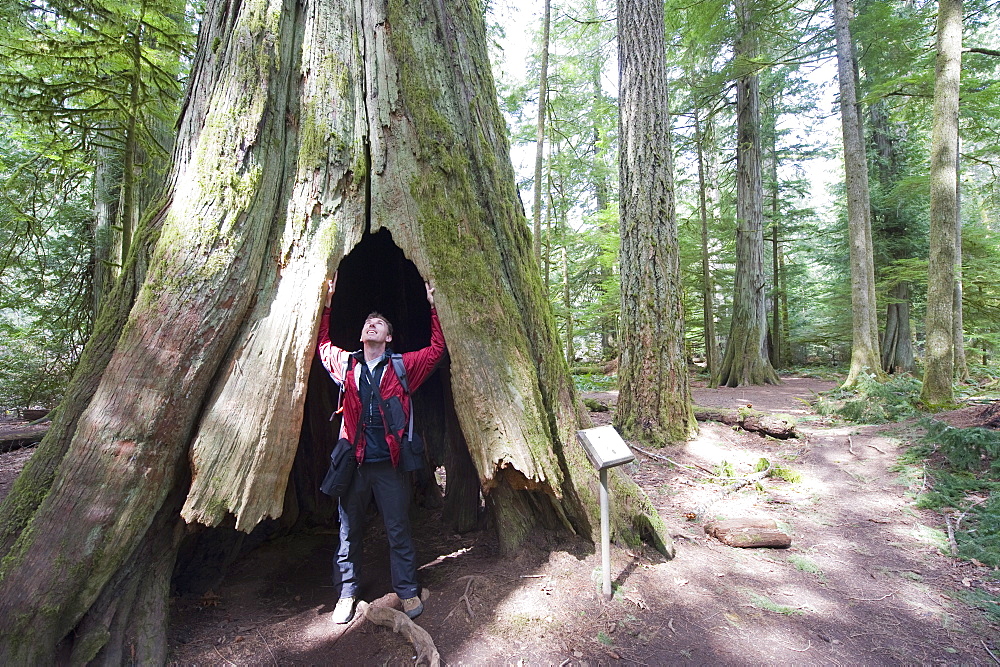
377	450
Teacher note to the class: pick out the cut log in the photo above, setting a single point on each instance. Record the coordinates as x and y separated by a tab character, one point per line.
749	420
746	533
22	437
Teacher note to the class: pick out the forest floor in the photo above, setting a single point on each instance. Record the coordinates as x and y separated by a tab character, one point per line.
865	580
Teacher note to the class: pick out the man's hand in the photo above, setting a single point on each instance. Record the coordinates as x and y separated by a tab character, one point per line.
430	293
331	287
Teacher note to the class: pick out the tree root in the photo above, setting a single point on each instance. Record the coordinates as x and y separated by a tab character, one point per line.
400	623
738	484
473	578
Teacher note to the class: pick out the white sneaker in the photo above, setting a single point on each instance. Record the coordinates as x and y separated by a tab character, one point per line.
344	611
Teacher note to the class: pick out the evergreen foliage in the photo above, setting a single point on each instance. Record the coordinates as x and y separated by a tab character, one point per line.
874	402
83	87
967	486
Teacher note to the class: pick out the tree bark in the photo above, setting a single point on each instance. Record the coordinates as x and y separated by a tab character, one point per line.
746	361
897	342
865	357
306	128
939	362
655	401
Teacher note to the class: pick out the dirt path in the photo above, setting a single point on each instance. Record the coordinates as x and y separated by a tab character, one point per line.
864	581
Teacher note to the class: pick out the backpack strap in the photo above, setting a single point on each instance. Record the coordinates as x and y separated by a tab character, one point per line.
400	368
340	387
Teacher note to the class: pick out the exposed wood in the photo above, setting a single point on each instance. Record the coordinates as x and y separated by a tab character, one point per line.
749	420
749	533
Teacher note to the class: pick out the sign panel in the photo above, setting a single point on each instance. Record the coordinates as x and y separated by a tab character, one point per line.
604	447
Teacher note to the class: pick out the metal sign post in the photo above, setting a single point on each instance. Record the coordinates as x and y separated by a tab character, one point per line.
605	449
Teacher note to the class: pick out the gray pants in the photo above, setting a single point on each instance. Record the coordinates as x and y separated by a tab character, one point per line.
391	488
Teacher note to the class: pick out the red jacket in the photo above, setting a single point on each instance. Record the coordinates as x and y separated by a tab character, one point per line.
419	365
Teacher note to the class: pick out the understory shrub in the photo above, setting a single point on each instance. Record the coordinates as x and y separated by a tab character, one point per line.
966	486
874	402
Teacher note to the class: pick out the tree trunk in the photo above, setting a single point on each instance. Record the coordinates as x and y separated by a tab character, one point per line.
865	357
543	96
655	401
708	285
107	261
895	227
897	342
306	128
745	361
958	322
939	362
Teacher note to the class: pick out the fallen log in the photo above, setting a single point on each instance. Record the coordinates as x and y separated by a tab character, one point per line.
21	437
749	533
749	420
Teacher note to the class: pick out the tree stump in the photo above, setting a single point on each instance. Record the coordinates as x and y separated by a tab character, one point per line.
747	533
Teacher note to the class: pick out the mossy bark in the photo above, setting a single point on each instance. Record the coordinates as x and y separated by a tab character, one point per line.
939	362
307	127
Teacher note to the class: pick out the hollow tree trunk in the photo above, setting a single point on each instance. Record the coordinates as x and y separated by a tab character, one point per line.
745	361
306	126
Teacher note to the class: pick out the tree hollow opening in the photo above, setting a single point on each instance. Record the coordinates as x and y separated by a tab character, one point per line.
377	276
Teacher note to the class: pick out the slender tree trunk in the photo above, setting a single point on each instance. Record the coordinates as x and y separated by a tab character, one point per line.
745	361
897	340
708	285
606	323
865	357
543	94
939	362
307	126
654	402
786	333
107	240
961	365
128	209
779	342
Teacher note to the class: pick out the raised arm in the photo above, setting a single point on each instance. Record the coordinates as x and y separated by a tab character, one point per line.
420	363
333	357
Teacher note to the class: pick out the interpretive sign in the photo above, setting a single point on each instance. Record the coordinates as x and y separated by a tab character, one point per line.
604	447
